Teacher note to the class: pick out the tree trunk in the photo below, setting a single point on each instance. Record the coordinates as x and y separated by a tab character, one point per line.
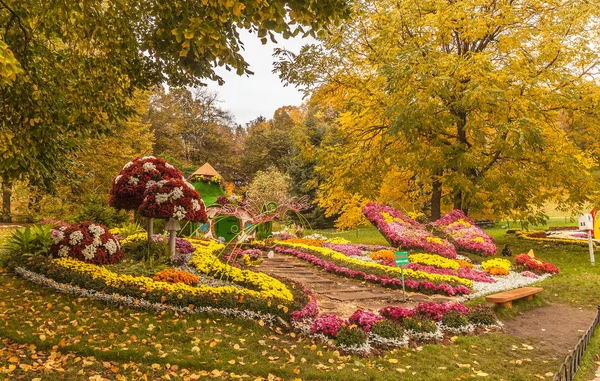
458	199
436	198
6	194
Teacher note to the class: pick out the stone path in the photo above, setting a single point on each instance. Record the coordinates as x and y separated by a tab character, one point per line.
340	295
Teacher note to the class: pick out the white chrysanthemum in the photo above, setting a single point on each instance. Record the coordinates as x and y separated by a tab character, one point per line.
161	197
111	246
89	252
169	166
97	241
75	237
118	178
59	237
128	165
133	180
96	230
196	205
149	167
179	212
177	193
63	251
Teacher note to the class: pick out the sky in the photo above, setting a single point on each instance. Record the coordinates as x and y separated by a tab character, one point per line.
248	97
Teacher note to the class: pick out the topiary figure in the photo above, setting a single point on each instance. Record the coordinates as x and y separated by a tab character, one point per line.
88	242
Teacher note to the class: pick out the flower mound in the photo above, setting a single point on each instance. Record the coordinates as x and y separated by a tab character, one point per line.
176	276
496	266
402	231
365	319
535	265
173	198
463	231
88	242
128	187
328	325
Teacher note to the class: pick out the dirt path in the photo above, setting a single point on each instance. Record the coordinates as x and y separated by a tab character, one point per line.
340	295
557	327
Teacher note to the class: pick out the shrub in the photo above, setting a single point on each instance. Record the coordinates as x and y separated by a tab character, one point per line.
151	254
349	336
364	319
100	212
23	243
420	324
481	315
128	229
328	325
87	242
387	329
454	319
176	276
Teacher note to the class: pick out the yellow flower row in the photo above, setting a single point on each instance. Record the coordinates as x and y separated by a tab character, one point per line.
205	261
496	263
434	260
135	238
460	222
526	235
120	280
390	270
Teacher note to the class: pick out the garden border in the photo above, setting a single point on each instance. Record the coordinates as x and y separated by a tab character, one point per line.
569	367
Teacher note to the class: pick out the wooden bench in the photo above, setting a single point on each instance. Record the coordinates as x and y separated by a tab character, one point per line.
505	298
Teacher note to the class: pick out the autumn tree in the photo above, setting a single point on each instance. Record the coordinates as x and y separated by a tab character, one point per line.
485	106
68	69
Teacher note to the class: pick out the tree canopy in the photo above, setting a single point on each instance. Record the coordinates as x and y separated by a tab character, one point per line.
485	106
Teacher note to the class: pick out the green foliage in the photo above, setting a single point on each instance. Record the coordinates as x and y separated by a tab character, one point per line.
419	324
27	242
454	319
388	329
97	210
350	336
270	185
483	315
152	255
130	228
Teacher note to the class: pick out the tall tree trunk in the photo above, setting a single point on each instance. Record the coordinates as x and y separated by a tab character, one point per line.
458	199
6	194
436	198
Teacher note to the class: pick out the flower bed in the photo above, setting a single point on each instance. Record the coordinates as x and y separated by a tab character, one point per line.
434	260
496	266
535	265
339	264
465	234
404	232
551	237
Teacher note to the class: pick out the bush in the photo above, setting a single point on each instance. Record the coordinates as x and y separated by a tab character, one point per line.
125	230
481	315
454	319
100	212
420	324
23	243
350	336
387	329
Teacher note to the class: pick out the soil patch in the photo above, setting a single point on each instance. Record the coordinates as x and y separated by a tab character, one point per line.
557	327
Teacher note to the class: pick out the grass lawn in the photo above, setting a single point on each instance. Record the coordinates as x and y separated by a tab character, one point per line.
55	336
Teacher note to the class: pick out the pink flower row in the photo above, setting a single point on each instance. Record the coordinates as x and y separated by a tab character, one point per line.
431	310
462	272
410	284
311	308
405	232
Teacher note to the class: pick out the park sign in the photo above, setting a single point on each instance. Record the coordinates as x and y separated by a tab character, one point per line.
401	258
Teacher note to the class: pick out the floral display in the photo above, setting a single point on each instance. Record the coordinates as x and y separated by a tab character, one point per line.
205	261
173	198
365	319
216	179
176	276
182	245
404	232
382	255
554	236
328	325
397	313
310	310
496	266
535	264
464	263
222	200
462	272
88	242
128	187
306	241
434	260
436	311
465	234
424	286
344	248
529	274
338	240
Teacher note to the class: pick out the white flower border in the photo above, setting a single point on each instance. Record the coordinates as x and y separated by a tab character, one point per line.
141	303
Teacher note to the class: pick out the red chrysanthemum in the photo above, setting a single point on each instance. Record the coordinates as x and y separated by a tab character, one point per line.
173	198
88	242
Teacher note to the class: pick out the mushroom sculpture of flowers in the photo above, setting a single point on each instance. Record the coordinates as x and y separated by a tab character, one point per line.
88	242
174	200
128	187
